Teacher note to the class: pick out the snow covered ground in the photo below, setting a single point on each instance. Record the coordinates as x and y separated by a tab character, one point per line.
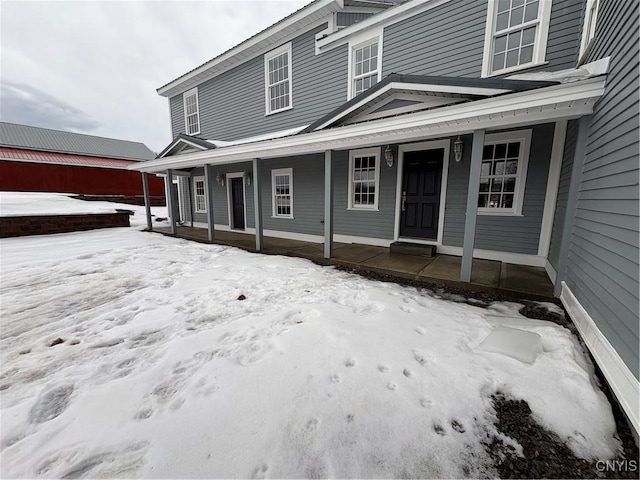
165	372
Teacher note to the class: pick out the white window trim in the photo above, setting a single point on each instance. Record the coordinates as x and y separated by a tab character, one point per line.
186	94
365	152
540	45
524	136
281	171
360	41
286	48
195	195
588	33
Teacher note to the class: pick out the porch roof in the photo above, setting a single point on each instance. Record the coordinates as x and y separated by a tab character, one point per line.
517	108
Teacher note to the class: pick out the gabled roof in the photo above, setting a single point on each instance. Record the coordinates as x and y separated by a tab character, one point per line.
182	141
54	158
46	140
423	91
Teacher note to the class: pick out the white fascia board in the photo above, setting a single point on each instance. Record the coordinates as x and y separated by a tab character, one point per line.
260	43
383	19
419	87
545	104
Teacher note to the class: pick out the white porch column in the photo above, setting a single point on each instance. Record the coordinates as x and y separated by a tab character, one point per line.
328	206
170	204
257	204
147	199
208	194
472	205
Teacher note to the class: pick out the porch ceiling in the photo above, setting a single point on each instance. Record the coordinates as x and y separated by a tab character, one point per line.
556	102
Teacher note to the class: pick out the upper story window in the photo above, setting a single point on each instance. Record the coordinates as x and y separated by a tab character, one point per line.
516	35
277	74
364	179
589	27
200	202
365	65
191	113
282	192
503	174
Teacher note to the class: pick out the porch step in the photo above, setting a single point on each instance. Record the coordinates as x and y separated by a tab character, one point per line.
417	249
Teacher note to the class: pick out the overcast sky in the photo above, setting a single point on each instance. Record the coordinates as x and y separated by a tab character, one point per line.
94	67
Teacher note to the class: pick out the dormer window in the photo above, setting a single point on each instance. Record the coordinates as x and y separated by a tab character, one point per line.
516	35
365	65
191	112
277	73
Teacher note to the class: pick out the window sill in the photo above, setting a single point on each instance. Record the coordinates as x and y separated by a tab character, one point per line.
282	216
199	211
356	209
500	214
278	111
193	133
514	69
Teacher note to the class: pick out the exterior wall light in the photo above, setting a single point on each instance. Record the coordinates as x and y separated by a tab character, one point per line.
388	156
220	179
247	178
457	149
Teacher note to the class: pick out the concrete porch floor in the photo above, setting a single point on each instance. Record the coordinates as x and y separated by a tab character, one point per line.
487	276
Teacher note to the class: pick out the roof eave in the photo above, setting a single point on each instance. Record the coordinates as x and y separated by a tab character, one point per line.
261	42
535	106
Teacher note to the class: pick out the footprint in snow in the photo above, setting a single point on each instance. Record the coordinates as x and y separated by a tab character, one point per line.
406	309
51	404
391	386
334	378
407	373
383	368
260	472
457	426
438	429
425	402
421	330
350	362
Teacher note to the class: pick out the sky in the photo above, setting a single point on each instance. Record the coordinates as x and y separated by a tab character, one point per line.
94	67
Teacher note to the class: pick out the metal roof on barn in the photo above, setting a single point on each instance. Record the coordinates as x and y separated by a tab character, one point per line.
43	139
34	156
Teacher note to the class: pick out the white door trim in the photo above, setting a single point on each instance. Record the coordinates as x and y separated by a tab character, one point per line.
416	147
229	176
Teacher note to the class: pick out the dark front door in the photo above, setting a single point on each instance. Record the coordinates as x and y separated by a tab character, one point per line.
237	203
421	194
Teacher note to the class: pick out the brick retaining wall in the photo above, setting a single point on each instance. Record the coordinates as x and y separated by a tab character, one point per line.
45	224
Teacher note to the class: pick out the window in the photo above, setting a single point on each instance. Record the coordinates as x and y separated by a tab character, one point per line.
282	188
364	65
364	170
589	27
516	35
277	72
199	195
191	114
503	173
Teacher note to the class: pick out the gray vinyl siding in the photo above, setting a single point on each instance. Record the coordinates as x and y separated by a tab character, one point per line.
372	224
563	193
516	234
602	265
232	105
344	19
308	195
221	195
449	40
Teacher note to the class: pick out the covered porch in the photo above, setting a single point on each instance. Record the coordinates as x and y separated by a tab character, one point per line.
494	277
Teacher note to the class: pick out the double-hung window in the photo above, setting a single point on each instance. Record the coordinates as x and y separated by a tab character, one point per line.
589	27
516	35
503	173
200	202
365	65
277	73
364	179
282	192
191	112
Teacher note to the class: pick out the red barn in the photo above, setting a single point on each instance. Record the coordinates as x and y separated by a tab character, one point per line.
42	160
